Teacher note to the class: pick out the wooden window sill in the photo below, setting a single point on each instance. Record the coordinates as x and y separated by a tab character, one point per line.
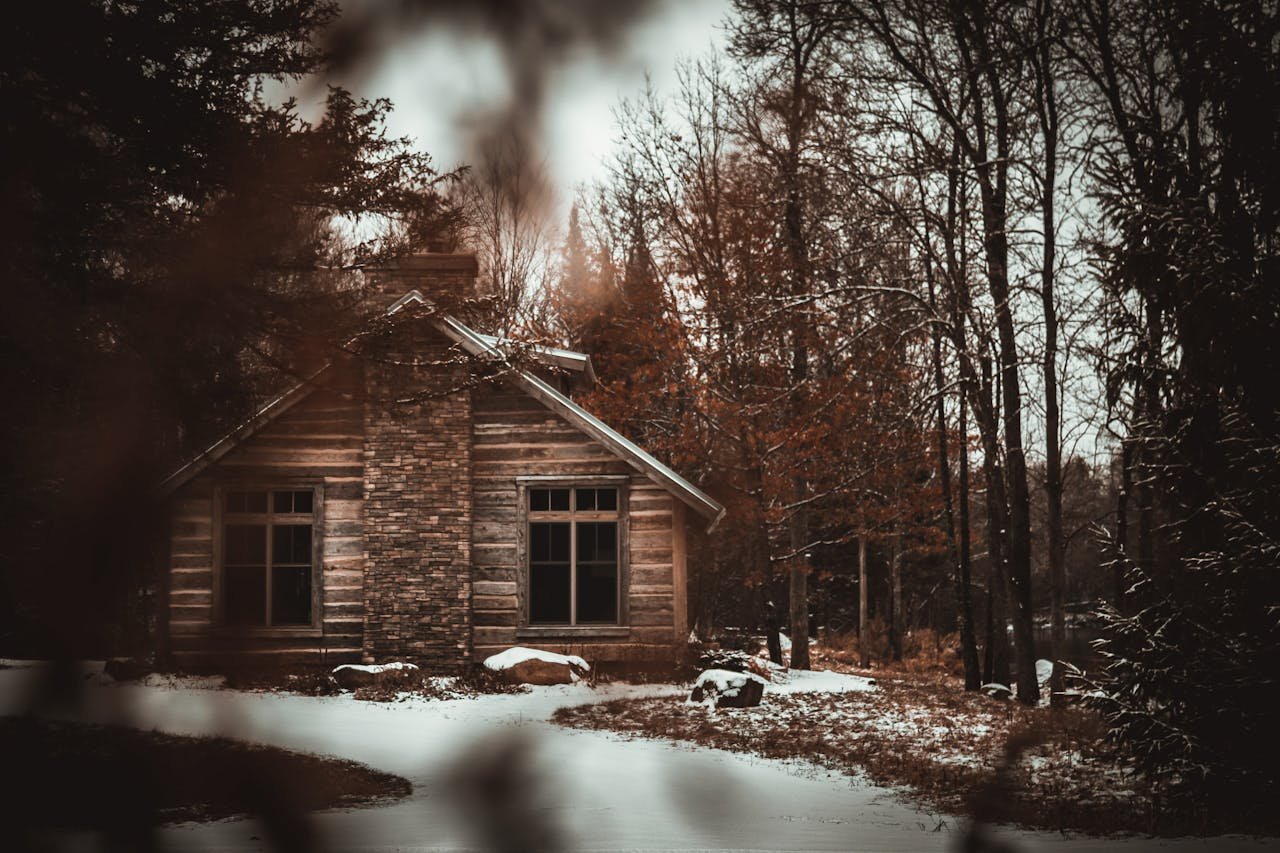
282	632
532	632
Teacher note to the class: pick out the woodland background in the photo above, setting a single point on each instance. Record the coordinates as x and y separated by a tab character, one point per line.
966	310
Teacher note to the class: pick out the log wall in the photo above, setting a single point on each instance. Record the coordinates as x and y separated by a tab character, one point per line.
516	437
316	443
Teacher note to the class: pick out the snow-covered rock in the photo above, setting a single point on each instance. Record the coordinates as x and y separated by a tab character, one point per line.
996	690
728	689
353	675
1044	671
520	665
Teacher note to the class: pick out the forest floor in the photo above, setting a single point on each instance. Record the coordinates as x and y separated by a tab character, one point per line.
493	771
948	750
126	781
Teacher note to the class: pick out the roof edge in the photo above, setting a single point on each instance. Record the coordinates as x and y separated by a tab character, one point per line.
220	448
638	457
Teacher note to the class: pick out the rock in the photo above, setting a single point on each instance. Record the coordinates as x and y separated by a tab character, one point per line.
126	669
728	689
535	671
519	665
353	676
1044	671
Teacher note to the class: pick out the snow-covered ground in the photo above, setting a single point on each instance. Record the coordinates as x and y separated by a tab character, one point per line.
599	790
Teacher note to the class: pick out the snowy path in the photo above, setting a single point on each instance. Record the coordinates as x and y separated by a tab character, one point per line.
602	791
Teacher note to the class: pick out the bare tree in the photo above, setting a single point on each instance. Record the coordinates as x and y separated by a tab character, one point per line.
507	202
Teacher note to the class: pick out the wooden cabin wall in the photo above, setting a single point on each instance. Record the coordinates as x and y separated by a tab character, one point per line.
317	441
516	436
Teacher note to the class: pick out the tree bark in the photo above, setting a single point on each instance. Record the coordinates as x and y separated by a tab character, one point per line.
968	642
1047	113
862	602
897	620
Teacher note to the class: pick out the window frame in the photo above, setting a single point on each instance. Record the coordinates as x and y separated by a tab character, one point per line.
220	520
526	517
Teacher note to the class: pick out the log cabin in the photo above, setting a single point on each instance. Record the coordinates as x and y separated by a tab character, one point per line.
435	498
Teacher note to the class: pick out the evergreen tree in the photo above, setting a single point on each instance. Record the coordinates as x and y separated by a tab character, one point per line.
164	245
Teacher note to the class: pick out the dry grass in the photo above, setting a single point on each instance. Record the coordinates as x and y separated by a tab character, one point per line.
394	686
955	752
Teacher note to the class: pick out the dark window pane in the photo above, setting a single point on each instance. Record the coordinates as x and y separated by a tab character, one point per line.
291	502
246	544
597	541
539	543
549	593
255	501
235	501
245	595
597	593
291	543
539	500
291	595
559	542
549	542
607	500
559	500
585	499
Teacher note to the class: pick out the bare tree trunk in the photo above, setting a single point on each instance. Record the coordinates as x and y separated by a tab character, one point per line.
1122	521
862	601
771	632
1047	113
968	643
897	618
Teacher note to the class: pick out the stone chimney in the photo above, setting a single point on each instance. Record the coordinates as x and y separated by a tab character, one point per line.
417	472
446	278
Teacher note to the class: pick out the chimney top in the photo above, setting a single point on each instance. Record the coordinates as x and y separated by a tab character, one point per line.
426	262
445	278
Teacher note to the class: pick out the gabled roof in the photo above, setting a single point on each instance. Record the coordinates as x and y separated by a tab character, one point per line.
489	348
233	439
578	362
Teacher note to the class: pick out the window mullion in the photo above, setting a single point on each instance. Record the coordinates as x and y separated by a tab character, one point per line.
271	536
573	570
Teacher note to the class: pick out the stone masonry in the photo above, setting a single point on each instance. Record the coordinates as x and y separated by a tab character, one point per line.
417	481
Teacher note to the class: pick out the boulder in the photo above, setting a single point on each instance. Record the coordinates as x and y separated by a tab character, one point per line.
352	676
126	669
1044	672
728	689
519	665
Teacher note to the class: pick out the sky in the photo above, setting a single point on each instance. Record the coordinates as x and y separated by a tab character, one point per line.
444	77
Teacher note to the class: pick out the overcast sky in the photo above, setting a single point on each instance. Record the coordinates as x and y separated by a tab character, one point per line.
438	77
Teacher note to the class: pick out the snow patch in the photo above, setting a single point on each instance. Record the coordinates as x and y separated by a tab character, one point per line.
374	669
820	681
171	681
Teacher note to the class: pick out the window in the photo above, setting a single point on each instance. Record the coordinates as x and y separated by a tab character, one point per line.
267	563
573	556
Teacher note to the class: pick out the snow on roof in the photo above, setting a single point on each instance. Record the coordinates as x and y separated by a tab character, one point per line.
519	654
